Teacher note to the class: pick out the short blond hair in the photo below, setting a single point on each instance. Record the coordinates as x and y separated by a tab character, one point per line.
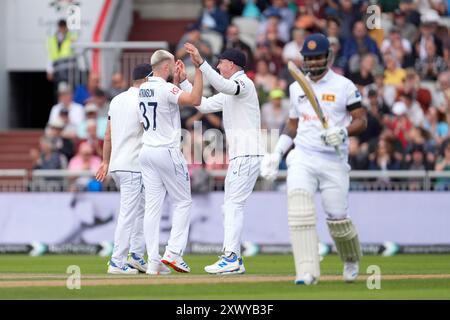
159	56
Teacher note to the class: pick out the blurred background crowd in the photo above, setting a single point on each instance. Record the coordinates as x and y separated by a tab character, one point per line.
402	70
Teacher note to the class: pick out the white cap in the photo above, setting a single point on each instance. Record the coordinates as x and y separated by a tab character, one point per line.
429	16
57	123
90	107
63	87
399	108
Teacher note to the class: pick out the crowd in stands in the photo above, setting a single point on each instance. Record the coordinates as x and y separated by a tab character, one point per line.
402	71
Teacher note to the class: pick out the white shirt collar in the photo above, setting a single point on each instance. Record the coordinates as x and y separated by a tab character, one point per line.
326	77
159	79
237	74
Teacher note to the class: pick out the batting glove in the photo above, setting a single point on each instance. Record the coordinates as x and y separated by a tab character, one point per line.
269	166
334	136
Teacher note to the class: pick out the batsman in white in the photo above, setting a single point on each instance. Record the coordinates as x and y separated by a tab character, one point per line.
314	164
238	101
120	157
164	168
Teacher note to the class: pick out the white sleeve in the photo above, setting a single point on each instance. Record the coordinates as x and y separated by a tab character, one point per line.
173	93
212	104
231	87
293	114
54	113
353	97
186	85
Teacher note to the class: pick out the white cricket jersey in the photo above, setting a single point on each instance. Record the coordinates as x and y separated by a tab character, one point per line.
238	101
126	132
159	113
337	96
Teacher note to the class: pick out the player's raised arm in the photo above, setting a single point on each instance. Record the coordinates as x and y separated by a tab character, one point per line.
194	97
219	82
207	105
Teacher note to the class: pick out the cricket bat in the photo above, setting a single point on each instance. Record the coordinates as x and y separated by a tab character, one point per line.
309	92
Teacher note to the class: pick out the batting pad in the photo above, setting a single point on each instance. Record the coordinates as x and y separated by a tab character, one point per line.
346	239
304	239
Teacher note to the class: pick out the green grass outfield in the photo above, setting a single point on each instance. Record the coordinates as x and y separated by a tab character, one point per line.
268	277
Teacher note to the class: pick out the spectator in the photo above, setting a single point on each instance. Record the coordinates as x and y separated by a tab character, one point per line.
412	86
357	156
84	92
386	93
416	160
291	50
430	66
399	47
84	160
428	30
275	113
383	158
100	99
338	65
213	18
443	164
409	7
333	28
232	41
75	110
364	76
394	73
348	14
399	124
61	57
91	111
374	119
251	10
60	144
435	123
70	129
193	36
285	13
47	158
411	108
274	22
358	45
407	30
441	94
118	85
92	138
265	81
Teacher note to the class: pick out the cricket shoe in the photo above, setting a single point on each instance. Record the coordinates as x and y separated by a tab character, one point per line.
137	262
176	262
157	268
306	279
115	269
224	264
351	271
241	269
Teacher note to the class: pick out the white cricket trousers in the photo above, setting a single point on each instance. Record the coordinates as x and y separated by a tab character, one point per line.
129	234
311	172
165	170
239	183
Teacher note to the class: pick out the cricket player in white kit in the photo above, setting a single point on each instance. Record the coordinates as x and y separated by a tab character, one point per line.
314	165
238	101
164	168
120	157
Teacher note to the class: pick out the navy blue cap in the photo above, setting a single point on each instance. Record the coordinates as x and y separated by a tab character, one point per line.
234	55
142	71
315	44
